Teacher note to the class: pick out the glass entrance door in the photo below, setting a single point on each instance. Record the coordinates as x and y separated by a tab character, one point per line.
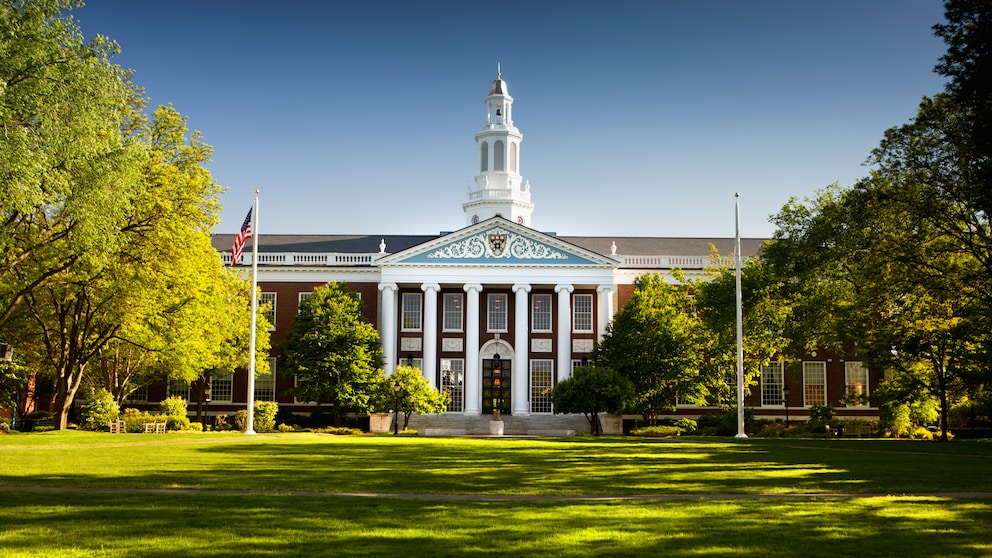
496	385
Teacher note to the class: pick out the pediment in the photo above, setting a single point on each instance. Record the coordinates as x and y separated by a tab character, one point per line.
498	242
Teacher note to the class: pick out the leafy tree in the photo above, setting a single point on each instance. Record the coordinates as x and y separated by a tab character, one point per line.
68	158
592	390
968	64
658	343
414	394
766	314
333	352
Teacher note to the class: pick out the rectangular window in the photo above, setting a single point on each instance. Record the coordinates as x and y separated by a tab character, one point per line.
496	312
270	313
265	385
772	378
412	304
221	386
814	383
582	313
856	381
453	383
303	296
179	388
417	363
542	373
452	312
139	395
540	312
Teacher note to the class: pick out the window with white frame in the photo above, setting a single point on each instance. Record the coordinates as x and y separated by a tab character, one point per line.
139	395
540	312
412	305
582	313
452	313
772	380
265	384
496	312
270	313
575	363
221	386
856	381
814	383
542	372
299	303
178	388
453	383
296	381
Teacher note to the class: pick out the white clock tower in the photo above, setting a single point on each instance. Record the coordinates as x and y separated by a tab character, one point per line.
499	189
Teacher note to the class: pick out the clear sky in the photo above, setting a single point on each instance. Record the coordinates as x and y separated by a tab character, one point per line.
639	118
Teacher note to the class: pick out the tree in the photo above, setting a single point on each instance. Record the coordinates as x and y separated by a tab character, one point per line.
408	388
658	343
766	316
333	352
968	64
592	390
69	161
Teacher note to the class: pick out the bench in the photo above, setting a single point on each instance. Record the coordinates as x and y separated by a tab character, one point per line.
849	431
116	426
154	428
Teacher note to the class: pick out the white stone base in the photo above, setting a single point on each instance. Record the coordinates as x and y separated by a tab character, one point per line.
496	428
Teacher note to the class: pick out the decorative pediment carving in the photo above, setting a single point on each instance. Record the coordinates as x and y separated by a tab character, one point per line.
497	243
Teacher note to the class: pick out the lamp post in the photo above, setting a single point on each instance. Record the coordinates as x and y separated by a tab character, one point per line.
396	408
785	401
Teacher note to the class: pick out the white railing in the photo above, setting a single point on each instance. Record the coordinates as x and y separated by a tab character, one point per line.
499	193
673	262
330	259
342	259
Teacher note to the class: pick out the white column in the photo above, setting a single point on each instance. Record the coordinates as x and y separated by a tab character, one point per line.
387	325
564	330
605	309
521	403
430	332
473	375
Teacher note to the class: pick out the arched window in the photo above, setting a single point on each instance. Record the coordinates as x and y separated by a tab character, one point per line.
513	157
499	156
484	156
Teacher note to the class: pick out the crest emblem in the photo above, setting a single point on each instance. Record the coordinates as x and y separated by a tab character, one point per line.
497	243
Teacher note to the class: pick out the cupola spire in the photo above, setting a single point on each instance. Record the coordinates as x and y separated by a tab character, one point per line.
499	189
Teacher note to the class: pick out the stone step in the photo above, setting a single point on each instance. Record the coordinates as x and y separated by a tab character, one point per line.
535	425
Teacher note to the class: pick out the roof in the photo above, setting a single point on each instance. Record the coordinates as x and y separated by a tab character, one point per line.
369	244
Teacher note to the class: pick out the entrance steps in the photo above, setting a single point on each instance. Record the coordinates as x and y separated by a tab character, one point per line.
534	425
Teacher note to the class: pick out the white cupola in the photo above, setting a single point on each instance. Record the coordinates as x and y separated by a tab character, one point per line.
499	189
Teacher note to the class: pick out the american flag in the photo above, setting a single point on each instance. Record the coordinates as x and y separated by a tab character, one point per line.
239	242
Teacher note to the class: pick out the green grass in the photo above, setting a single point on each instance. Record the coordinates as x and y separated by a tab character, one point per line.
280	495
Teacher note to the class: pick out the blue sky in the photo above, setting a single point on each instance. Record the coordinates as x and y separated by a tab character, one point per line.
639	118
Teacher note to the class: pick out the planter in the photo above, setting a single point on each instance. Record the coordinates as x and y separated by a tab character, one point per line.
611	424
496	427
380	422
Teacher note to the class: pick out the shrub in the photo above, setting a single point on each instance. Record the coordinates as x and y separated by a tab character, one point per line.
345	431
657	431
179	423
265	416
100	408
221	423
173	407
285	428
195	427
920	433
135	420
686	424
241	420
29	421
821	413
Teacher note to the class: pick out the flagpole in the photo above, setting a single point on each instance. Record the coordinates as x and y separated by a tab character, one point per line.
250	427
740	322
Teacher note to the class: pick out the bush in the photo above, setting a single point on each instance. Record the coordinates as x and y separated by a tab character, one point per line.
100	408
179	423
657	431
241	420
821	413
265	416
29	421
173	407
344	431
685	424
135	420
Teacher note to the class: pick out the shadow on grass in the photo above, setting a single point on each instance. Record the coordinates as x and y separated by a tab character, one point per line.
46	524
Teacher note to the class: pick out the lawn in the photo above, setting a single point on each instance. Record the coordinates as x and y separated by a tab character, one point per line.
93	494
